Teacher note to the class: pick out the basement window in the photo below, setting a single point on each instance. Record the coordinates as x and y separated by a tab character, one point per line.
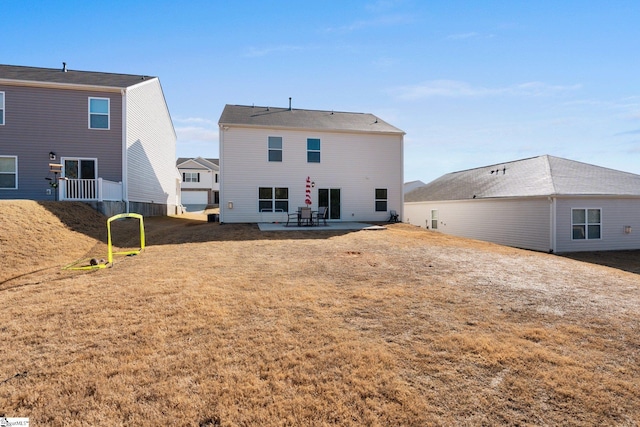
586	224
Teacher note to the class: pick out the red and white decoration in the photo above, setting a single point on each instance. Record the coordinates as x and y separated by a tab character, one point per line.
307	199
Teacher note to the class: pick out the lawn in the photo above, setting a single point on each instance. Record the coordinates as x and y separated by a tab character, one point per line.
226	325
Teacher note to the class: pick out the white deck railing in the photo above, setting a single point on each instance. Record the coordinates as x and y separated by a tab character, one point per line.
90	189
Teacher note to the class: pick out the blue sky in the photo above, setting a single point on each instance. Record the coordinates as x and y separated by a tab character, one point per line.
472	83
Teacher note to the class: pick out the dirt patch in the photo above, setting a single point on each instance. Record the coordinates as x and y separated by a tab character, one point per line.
226	325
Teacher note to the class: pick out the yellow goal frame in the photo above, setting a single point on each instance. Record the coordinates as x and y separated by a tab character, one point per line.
110	244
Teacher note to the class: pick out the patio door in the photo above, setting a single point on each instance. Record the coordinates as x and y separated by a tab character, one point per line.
330	197
81	178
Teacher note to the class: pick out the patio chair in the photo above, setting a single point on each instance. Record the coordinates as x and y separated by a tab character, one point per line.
305	217
294	217
393	216
321	215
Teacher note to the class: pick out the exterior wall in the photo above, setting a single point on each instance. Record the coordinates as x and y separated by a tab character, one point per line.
42	120
521	223
357	164
616	213
151	148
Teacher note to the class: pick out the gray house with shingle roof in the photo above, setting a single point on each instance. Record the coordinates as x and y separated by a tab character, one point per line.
354	162
542	203
102	138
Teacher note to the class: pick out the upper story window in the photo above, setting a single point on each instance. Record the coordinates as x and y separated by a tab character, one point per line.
313	150
98	113
586	224
190	177
381	199
275	148
8	172
1	108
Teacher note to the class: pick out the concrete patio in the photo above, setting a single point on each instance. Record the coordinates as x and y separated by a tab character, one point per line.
331	226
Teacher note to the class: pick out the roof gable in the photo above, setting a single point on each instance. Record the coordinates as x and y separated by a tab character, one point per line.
270	117
58	76
537	176
197	163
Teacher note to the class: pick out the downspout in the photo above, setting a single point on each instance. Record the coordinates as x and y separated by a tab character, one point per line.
125	174
552	224
222	200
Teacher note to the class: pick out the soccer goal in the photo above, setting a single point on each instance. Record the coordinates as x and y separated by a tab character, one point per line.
92	263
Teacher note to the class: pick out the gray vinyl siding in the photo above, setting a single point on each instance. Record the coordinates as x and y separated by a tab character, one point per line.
522	223
356	163
615	215
151	146
43	120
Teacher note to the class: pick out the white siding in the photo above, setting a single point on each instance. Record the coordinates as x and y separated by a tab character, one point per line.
151	146
357	164
616	214
522	223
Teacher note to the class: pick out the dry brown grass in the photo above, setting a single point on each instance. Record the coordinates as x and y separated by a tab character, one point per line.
224	325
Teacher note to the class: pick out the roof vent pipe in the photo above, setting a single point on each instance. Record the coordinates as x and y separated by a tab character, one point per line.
64	67
289	103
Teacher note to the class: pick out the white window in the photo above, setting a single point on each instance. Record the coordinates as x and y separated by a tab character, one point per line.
274	199
8	172
586	224
434	219
99	113
190	177
1	108
313	150
275	148
381	199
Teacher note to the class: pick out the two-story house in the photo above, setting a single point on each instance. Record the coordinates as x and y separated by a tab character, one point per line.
200	181
102	138
354	162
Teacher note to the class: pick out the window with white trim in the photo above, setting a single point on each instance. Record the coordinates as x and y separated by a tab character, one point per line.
586	224
190	177
99	113
8	172
1	108
313	150
273	199
275	148
381	199
434	219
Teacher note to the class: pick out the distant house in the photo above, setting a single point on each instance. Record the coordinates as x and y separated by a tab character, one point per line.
543	203
354	163
200	181
107	137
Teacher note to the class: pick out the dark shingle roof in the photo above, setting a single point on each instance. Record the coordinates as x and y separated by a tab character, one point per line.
537	176
304	119
70	77
199	160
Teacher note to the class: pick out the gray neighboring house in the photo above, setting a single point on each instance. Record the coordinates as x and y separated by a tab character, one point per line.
542	203
102	138
200	181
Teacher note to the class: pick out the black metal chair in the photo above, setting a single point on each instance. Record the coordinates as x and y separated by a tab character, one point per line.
393	216
321	215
